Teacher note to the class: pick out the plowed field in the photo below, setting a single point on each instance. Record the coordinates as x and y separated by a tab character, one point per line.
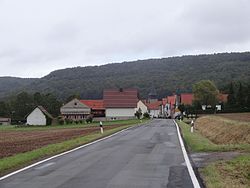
14	142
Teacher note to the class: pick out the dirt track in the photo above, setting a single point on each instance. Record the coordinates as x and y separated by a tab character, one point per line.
14	142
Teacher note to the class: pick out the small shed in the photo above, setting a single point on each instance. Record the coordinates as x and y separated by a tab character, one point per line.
39	116
5	121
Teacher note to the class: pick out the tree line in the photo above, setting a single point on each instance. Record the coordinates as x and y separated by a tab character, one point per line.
206	92
19	106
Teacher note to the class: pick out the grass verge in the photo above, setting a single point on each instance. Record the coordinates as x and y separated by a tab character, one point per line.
23	159
225	174
220	174
197	143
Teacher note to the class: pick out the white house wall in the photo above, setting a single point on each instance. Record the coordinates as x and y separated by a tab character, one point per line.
154	113
120	112
36	118
142	106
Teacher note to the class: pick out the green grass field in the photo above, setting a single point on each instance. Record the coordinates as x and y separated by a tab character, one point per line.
65	126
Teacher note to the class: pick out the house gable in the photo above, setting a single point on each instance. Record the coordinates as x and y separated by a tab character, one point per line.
75	107
36	117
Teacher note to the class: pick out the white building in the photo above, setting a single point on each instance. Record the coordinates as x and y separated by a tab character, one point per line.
39	116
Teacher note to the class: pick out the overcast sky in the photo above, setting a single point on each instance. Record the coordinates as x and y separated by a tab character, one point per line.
39	36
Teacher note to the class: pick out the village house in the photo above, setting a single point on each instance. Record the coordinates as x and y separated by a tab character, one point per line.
75	110
39	116
5	121
120	103
155	109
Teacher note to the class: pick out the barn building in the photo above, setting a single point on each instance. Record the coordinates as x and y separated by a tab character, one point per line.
120	103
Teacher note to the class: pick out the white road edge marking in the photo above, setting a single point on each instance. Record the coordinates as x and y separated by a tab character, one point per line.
189	166
64	153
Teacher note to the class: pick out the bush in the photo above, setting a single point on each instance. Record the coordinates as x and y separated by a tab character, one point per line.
89	118
61	122
146	115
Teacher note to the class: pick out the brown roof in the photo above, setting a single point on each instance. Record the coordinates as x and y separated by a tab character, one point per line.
120	98
94	104
45	112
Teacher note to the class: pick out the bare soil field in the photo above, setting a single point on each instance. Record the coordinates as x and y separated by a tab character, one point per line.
237	116
221	130
14	142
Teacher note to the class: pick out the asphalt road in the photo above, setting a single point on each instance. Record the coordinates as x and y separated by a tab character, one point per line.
148	156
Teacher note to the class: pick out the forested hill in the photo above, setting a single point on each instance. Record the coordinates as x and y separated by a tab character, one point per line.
165	75
9	85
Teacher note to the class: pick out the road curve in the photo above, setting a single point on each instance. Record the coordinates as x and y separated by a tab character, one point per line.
148	156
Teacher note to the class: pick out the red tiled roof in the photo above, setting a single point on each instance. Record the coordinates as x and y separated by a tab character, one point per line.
116	98
187	98
154	105
223	97
94	104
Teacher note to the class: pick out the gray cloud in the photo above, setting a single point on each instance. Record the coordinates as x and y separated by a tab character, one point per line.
40	36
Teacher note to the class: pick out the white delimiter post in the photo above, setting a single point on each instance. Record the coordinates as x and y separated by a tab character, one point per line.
192	126
101	127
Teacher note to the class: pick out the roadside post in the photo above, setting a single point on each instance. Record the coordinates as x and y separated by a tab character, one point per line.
192	126
101	128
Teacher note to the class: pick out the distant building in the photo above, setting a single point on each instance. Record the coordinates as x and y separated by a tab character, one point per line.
5	121
120	103
155	109
75	110
39	116
152	96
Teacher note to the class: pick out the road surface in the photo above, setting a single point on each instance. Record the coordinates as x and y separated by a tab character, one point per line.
148	156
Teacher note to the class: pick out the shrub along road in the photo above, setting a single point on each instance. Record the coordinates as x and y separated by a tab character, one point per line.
146	156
